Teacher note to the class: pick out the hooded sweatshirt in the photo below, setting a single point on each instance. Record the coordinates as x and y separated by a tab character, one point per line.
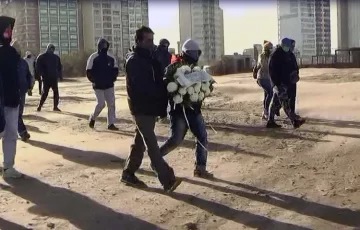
48	65
102	67
25	78
162	54
9	59
30	59
263	64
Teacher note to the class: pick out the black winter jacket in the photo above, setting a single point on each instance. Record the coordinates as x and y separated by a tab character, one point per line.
147	94
280	67
48	66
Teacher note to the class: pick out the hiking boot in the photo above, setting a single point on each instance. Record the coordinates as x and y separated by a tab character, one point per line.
298	123
132	180
201	172
11	173
113	127
92	123
277	113
272	125
56	109
173	185
25	136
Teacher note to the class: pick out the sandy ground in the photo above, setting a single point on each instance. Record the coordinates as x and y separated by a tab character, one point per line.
265	179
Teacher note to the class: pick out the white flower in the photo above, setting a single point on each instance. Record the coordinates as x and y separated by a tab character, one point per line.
194	97
197	87
201	96
207	92
197	69
172	87
190	90
177	99
179	72
182	91
205	86
185	68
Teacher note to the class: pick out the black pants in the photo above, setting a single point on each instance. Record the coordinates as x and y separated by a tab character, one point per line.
145	138
291	91
40	86
47	86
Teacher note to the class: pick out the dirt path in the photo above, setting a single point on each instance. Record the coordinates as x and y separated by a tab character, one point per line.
284	179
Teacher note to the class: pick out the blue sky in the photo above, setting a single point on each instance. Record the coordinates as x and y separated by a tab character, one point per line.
245	22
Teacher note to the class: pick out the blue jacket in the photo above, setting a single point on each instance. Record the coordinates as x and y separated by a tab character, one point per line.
102	68
25	77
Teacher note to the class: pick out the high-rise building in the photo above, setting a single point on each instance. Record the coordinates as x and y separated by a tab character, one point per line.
116	21
348	23
202	20
26	29
40	22
308	23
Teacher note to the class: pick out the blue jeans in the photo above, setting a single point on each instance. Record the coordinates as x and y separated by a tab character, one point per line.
21	126
268	93
178	129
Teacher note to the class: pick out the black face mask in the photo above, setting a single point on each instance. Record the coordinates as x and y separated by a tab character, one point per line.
192	56
29	56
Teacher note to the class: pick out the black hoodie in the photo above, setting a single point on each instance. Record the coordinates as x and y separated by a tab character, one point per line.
102	68
48	66
9	59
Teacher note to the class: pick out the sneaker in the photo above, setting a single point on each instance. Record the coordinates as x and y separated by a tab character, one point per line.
12	173
56	109
25	136
203	173
92	123
298	123
272	125
38	108
113	127
173	185
132	180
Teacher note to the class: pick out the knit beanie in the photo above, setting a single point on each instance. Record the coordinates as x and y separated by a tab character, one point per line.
190	45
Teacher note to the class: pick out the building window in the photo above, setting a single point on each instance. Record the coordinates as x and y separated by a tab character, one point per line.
44	28
73	28
73	37
73	44
54	28
73	20
63	28
72	12
64	44
64	36
44	36
116	26
63	12
63	20
43	11
53	12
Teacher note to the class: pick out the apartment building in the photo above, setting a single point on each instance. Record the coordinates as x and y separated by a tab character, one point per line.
348	23
26	29
307	22
202	20
59	25
116	21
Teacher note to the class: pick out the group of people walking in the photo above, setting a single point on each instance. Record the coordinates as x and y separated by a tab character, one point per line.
277	72
145	68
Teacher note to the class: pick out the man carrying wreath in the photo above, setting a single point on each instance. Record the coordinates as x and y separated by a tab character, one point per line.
184	117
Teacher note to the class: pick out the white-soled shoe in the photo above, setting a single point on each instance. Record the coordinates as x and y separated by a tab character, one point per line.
12	173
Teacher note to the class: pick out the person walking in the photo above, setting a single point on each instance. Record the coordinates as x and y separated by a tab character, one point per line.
102	70
190	55
49	70
30	60
281	74
26	81
263	78
10	96
147	99
292	90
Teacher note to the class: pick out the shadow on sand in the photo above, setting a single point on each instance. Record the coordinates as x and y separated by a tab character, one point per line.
8	225
79	210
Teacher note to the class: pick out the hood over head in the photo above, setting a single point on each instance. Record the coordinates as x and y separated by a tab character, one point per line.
6	29
286	44
164	42
103	45
191	49
267	46
50	48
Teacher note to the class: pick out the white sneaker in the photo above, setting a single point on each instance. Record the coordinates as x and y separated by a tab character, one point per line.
12	173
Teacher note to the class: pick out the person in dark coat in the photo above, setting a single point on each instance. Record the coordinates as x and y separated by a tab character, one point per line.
282	76
190	55
26	82
49	68
292	90
102	70
10	95
147	99
162	53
